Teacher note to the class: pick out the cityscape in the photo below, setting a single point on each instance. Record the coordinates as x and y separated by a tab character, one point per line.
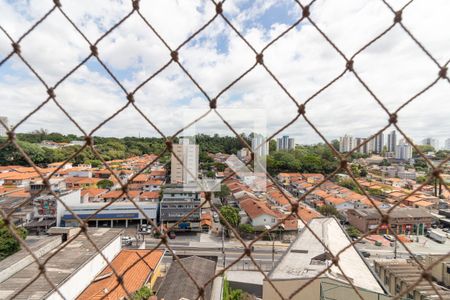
202	227
224	150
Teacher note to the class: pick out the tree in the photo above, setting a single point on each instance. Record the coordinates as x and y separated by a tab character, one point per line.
224	192
143	293
231	214
350	184
246	228
353	232
105	184
229	293
8	243
329	210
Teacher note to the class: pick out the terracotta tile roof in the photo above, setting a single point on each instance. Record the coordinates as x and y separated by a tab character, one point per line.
18	176
158	173
142	263
119	193
19	194
255	208
154	182
140	178
93	192
307	214
335	200
149	195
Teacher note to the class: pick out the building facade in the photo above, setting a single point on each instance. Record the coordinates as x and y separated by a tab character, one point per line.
402	220
262	150
178	201
391	141
185	168
431	142
403	151
285	143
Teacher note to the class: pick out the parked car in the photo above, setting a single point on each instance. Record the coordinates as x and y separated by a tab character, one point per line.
390	238
127	241
172	235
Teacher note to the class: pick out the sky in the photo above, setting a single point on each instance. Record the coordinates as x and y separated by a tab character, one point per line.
394	67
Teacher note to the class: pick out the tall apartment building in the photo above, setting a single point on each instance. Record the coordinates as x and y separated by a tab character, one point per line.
447	144
391	141
257	140
431	142
345	143
187	170
378	143
403	151
285	143
2	129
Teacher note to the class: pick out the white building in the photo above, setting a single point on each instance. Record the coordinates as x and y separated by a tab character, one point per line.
258	140
403	151
285	143
2	129
187	170
431	142
345	143
447	144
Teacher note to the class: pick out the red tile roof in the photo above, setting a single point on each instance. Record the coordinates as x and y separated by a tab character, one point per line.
141	264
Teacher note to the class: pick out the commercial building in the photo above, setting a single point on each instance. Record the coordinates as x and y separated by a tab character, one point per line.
306	259
431	142
178	201
402	220
71	269
391	141
185	168
399	275
4	120
285	143
117	214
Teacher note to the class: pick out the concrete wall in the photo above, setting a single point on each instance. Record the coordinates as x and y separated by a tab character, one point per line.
82	277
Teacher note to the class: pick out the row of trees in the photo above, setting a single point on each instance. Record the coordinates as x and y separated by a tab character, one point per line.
8	243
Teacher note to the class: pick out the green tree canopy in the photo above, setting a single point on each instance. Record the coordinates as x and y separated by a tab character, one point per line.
231	214
8	243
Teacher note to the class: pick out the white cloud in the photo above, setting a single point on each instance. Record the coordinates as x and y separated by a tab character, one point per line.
394	67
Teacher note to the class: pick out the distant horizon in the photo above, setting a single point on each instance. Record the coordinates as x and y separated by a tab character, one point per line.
399	136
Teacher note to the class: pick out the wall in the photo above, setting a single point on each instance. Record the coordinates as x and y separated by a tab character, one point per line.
74	285
69	199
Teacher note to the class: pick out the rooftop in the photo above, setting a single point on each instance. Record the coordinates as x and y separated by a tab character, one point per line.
307	257
135	267
59	268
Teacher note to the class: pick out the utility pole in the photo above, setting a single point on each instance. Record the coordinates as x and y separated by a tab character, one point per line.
223	247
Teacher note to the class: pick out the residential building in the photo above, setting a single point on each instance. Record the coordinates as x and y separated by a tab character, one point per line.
4	120
259	140
71	269
447	144
184	162
346	143
285	143
259	213
391	141
136	268
178	201
402	220
401	276
378	143
431	142
306	260
403	151
177	284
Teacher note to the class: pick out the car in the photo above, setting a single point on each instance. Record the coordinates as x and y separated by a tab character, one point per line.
390	238
365	253
126	240
445	229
